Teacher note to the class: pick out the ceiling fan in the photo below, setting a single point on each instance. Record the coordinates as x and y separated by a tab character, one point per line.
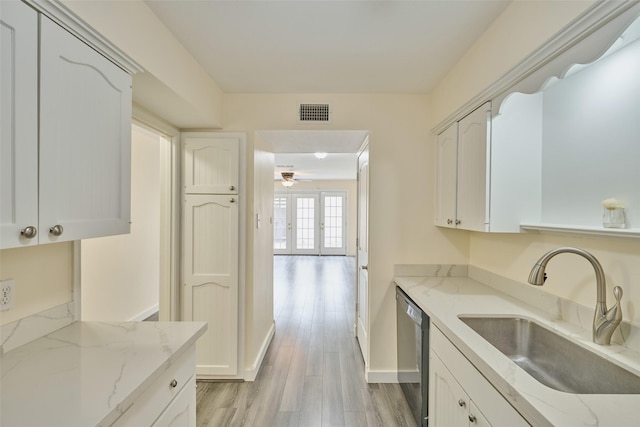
287	179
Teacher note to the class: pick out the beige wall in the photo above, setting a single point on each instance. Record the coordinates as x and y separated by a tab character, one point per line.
120	275
514	35
401	209
351	187
43	278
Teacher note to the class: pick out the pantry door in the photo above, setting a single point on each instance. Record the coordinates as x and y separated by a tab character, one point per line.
306	224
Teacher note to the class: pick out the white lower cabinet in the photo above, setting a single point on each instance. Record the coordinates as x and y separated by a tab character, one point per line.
455	400
170	400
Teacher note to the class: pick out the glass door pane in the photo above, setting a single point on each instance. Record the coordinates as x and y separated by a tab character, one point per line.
306	224
282	224
333	224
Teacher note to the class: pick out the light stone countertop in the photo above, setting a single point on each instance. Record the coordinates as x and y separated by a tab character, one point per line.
445	298
88	373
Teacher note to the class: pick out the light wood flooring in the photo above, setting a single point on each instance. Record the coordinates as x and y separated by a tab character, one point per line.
313	372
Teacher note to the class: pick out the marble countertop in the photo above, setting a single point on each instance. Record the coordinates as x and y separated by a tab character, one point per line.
445	298
88	373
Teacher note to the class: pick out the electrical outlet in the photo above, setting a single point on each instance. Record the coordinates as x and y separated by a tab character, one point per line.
6	294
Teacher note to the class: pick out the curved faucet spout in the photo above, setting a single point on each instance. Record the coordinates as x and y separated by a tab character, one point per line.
605	321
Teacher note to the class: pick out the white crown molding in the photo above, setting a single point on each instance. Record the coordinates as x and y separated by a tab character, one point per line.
64	17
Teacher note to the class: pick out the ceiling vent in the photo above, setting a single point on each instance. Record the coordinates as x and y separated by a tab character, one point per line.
314	113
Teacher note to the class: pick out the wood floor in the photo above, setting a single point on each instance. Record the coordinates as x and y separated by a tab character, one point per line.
313	372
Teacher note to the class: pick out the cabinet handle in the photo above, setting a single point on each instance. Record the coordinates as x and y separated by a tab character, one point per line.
462	403
232	200
449	221
231	187
458	222
29	232
56	230
472	418
173	383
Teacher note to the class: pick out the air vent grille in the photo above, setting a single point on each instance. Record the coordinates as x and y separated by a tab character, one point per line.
314	113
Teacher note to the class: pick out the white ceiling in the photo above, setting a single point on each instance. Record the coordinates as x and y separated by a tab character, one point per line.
326	46
301	46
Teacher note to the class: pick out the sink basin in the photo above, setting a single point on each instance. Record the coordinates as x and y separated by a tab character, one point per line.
552	359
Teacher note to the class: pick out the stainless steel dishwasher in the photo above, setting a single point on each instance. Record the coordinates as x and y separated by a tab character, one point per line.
413	356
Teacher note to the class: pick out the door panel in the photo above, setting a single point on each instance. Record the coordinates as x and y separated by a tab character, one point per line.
306	224
211	279
282	224
362	308
333	224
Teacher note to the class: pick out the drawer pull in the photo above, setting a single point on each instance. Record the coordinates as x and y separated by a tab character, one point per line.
472	418
174	383
462	403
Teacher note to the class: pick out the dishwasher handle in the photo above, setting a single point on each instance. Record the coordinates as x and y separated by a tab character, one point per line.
405	305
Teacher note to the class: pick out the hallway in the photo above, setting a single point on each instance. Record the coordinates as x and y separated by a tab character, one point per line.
313	372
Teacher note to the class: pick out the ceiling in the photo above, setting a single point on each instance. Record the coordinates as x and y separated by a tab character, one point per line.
326	46
307	46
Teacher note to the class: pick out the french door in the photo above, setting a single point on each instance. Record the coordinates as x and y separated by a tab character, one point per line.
310	223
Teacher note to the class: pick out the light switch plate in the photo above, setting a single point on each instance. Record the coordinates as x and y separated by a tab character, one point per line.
7	291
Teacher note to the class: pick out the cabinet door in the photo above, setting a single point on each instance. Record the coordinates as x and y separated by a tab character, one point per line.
473	173
18	123
446	179
181	412
211	163
210	268
448	403
85	139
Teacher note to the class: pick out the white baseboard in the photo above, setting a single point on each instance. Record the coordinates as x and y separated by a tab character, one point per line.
251	373
381	376
148	312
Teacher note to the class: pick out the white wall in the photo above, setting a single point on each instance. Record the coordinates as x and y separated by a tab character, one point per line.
351	187
514	35
401	210
120	275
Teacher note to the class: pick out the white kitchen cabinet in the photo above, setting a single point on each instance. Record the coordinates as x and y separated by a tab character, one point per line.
66	134
462	172
170	399
465	398
488	168
18	122
210	271
211	162
211	247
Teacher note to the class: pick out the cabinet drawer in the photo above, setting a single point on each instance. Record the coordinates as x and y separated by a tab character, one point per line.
155	398
494	407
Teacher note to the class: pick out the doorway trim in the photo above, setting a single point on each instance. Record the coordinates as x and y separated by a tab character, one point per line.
170	182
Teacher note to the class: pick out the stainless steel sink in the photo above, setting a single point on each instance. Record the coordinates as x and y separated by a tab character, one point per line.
552	359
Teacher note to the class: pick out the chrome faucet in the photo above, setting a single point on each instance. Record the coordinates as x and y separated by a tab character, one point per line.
604	321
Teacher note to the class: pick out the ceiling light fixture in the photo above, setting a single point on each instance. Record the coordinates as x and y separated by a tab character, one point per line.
320	155
287	179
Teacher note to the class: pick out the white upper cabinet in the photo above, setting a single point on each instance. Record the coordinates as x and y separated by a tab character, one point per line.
211	163
85	139
447	176
66	132
488	170
472	212
19	123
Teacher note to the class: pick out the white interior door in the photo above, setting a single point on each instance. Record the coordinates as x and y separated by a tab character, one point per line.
362	306
306	224
282	224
